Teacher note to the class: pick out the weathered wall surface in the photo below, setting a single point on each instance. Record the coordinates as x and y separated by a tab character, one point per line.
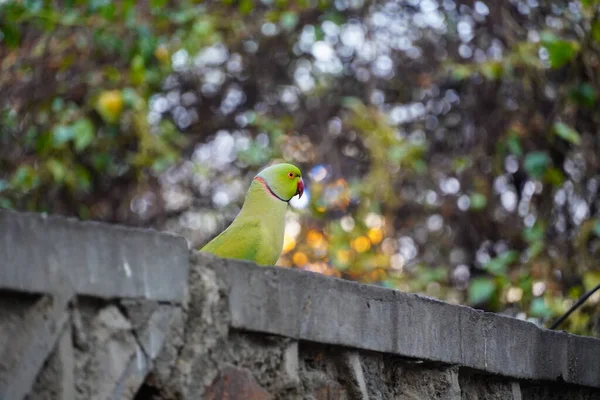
90	311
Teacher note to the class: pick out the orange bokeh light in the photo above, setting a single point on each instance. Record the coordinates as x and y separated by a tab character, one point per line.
361	244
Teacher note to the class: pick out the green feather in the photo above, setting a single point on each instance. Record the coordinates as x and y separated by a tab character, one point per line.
257	232
246	246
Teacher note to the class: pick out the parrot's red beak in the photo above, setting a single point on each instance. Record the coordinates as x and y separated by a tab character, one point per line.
300	189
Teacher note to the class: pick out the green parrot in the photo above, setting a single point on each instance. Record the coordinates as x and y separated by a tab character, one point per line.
256	234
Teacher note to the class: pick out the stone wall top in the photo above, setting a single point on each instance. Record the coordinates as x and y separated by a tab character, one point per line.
312	307
40	254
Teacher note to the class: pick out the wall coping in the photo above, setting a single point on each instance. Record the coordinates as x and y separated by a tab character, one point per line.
40	253
313	307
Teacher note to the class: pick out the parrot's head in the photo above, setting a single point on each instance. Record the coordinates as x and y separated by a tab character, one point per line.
283	181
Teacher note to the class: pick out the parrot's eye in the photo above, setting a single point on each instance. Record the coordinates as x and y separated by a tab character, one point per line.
290	175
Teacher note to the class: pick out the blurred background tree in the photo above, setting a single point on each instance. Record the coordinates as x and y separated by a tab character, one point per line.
450	147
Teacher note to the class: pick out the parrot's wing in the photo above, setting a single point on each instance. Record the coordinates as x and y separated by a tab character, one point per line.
240	240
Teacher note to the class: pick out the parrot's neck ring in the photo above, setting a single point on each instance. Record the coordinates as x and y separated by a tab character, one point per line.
266	186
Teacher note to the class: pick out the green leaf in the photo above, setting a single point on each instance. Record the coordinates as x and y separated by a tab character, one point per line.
429	275
538	308
508	257
460	164
492	70
84	133
536	249
83	179
353	103
460	72
597	228
514	145
554	176
478	201
10	33
334	16
591	279
101	161
246	6
319	34
158	3
161	164
536	163
567	133
560	52
132	99
3	185
596	30
146	43
109	12
588	3
44	143
138	70
25	178
584	94
525	282
57	169
69	17
499	265
420	166
535	233
481	290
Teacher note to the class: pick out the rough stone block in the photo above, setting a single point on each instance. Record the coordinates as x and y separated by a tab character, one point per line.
207	325
330	390
235	384
291	363
353	371
29	329
485	387
100	260
111	347
426	383
56	381
117	357
164	364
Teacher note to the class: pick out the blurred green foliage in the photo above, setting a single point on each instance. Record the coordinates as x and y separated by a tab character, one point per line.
81	134
83	124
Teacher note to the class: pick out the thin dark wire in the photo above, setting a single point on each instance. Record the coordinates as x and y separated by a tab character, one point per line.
581	300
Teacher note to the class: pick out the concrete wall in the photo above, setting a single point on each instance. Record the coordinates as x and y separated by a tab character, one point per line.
90	311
